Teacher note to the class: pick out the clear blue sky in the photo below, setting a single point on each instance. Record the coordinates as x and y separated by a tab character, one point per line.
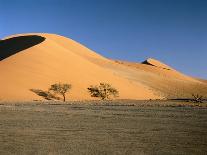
173	31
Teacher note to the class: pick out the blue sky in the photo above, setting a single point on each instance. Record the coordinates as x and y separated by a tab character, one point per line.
172	31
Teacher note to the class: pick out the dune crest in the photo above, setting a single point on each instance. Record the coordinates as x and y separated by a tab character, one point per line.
53	58
156	63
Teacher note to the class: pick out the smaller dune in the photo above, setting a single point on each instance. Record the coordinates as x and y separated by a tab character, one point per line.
156	63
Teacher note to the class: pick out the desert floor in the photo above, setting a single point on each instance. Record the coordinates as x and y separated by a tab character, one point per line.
93	129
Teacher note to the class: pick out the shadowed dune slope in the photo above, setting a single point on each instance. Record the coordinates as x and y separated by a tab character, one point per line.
14	45
35	61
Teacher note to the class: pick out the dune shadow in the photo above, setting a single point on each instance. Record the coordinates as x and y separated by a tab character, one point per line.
11	46
45	94
147	63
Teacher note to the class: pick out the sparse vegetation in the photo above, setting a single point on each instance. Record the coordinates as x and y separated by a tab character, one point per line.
197	98
103	91
96	129
60	88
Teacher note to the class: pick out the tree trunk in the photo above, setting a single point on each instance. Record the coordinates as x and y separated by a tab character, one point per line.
64	97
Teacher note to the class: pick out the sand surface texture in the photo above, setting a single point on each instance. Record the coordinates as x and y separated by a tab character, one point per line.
35	61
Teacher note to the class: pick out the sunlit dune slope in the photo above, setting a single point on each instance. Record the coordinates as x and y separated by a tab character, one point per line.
165	80
35	61
58	59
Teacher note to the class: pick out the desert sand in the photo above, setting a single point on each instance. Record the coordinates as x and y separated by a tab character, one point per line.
37	60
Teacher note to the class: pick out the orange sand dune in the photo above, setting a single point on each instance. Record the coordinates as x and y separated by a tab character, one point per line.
35	61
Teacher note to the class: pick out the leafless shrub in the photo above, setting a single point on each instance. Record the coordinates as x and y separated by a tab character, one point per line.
197	98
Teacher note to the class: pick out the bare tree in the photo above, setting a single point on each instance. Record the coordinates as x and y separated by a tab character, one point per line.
197	98
60	88
103	91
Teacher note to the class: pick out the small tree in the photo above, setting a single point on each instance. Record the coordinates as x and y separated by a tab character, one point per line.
60	88
103	91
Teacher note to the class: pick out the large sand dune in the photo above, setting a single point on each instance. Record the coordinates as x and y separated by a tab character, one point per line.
35	61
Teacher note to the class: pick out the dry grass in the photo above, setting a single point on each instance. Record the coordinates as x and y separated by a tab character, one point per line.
98	128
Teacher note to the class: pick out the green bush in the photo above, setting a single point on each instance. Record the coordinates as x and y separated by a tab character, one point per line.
103	91
60	88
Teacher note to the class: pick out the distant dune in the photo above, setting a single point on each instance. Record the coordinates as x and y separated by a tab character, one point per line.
35	61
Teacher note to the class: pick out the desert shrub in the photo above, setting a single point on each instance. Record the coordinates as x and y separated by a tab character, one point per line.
60	88
197	98
103	91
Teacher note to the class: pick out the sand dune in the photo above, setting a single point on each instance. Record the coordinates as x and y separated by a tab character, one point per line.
35	61
156	63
